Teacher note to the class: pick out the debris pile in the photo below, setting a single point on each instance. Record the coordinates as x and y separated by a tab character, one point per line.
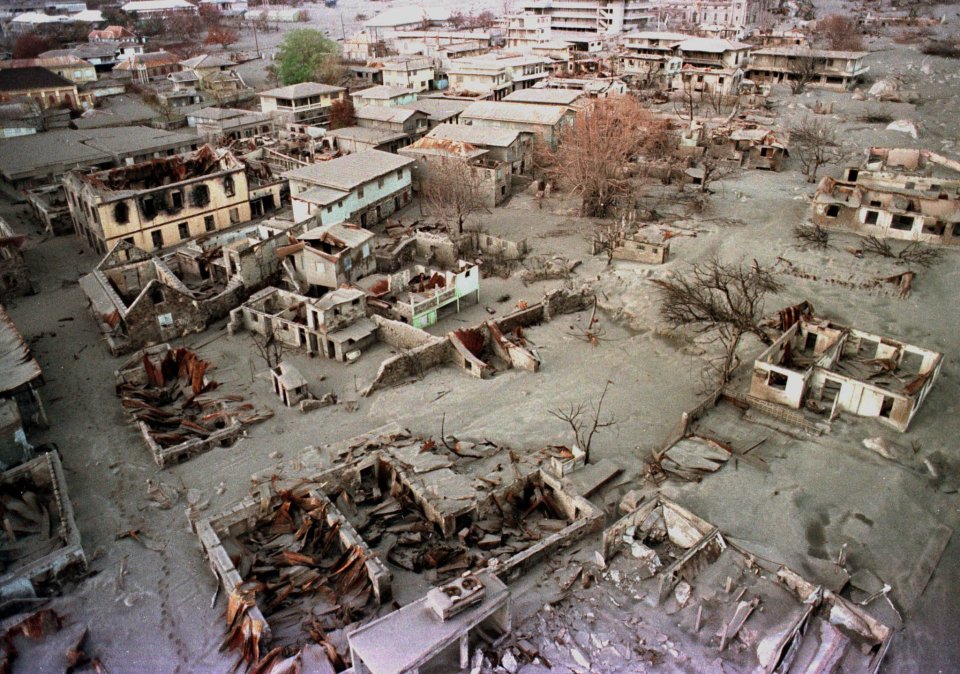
39	626
172	405
38	536
304	580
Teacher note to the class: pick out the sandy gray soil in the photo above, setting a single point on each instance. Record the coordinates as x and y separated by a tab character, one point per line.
814	497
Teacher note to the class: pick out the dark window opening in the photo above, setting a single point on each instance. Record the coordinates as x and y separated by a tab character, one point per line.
904	223
183	230
936	228
156	236
228	186
176	200
886	407
121	213
208	224
200	195
832	211
871	218
777	380
156	294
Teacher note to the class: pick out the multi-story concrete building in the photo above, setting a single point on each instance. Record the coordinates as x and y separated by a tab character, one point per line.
545	121
510	146
496	75
586	23
408	72
161	202
304	103
439	160
384	96
45	88
70	67
733	15
363	187
890	205
822	68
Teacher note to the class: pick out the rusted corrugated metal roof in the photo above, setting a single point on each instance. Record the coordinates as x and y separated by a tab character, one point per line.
17	364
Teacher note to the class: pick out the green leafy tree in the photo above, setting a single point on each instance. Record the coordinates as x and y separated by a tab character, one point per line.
303	54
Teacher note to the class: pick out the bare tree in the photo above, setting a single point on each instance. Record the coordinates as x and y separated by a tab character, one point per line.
804	72
914	252
816	143
714	169
222	36
812	236
585	421
269	349
685	104
594	151
840	32
725	301
453	189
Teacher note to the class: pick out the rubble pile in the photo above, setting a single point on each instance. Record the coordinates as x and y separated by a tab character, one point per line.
309	586
171	402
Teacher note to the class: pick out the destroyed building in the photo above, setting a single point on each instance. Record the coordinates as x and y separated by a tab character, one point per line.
178	409
161	202
439	161
389	506
335	326
20	373
14	274
831	369
890	205
138	298
362	188
418	295
750	147
40	539
50	208
763	616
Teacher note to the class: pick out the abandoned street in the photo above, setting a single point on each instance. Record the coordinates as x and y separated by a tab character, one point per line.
411	435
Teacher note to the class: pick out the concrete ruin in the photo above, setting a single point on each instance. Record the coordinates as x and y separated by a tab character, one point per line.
139	299
14	274
335	325
20	374
830	368
750	147
39	539
50	208
636	246
329	573
765	616
374	649
170	400
420	295
161	202
886	204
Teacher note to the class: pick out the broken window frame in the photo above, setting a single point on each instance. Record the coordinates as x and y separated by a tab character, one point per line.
121	213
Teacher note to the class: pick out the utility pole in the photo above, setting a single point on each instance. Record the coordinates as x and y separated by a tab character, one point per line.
343	29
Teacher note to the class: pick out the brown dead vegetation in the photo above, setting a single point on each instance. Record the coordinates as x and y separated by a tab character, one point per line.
596	148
